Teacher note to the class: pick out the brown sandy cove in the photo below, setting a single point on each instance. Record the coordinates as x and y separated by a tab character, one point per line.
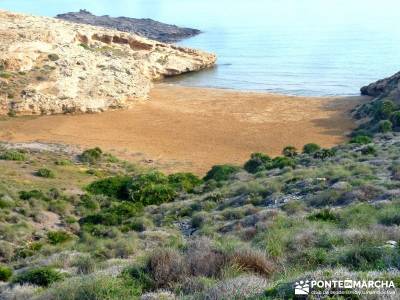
192	129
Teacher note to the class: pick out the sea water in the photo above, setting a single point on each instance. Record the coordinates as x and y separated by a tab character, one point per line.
300	47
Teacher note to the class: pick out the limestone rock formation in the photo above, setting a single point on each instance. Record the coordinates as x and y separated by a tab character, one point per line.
51	66
144	27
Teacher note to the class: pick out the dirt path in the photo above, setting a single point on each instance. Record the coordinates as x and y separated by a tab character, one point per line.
191	129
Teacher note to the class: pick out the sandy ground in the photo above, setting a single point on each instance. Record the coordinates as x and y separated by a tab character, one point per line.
191	129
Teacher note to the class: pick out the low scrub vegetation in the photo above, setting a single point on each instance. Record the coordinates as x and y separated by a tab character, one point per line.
106	229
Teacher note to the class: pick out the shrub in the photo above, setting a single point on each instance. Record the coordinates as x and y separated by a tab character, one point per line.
361	139
184	181
53	57
385	126
63	162
324	215
11	113
13	155
45	173
58	237
166	266
221	172
5	273
390	219
199	219
203	260
85	264
368	150
395	118
115	187
364	258
151	189
91	156
258	162
139	224
384	109
114	215
289	151
41	276
324	154
35	194
254	261
282	162
5	75
311	148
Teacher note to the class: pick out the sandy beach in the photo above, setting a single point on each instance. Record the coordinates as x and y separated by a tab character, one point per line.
191	129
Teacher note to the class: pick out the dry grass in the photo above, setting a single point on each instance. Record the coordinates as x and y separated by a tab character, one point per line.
253	261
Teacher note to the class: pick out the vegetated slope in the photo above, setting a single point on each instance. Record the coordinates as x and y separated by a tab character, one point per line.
74	224
144	27
51	66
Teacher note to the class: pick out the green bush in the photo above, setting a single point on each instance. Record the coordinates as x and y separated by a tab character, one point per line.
385	126
324	154
311	148
5	273
13	155
361	139
258	162
115	187
289	151
85	264
63	162
325	215
365	258
91	156
53	57
151	189
395	118
184	181
384	109
33	194
58	237
45	173
41	276
368	150
221	172
390	219
115	215
282	162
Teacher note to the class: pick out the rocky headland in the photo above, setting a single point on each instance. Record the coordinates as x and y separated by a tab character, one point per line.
50	66
387	87
144	27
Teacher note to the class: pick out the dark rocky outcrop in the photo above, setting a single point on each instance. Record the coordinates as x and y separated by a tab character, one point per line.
384	88
145	27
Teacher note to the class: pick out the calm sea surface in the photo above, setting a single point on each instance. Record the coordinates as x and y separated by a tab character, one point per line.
302	47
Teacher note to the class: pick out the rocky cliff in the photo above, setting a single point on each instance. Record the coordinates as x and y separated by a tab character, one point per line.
144	27
52	66
388	87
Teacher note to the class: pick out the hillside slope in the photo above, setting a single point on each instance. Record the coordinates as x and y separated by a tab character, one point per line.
51	66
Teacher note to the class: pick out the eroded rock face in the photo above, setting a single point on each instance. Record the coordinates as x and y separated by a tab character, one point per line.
388	87
144	27
51	66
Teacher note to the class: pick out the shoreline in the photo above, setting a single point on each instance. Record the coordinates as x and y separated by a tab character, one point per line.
191	129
